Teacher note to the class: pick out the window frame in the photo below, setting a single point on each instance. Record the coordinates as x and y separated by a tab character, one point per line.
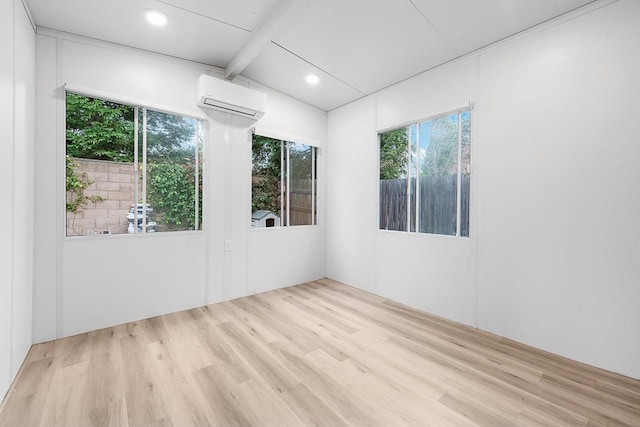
412	227
285	178
138	105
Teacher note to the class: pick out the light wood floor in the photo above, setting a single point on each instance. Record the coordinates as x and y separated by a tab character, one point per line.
320	354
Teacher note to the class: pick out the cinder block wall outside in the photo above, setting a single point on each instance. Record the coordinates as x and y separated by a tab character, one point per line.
114	182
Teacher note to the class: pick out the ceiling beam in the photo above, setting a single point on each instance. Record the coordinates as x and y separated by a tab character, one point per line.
260	38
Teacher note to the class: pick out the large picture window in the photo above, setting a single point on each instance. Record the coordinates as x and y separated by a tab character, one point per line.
283	183
130	169
425	176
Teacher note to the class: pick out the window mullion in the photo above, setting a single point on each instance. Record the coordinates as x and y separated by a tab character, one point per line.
417	169
288	193
409	181
196	174
282	184
459	178
136	171
144	171
313	186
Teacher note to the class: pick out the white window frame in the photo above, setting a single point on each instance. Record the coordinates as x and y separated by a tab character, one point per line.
137	105
459	111
285	179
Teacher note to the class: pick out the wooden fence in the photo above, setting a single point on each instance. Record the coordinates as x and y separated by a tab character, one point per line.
301	198
303	201
438	204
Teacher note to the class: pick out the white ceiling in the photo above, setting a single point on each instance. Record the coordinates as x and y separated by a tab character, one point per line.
356	47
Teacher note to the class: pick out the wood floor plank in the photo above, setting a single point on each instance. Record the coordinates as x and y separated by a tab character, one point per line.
263	364
142	392
105	394
326	388
219	391
28	396
69	386
317	354
262	407
310	409
176	386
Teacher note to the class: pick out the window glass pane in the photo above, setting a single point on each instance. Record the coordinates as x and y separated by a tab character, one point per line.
138	215
300	184
266	197
464	167
465	172
99	165
171	173
438	175
315	186
414	161
200	180
394	149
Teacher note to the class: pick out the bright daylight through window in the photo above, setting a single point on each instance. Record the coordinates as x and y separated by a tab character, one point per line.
425	176
283	183
131	169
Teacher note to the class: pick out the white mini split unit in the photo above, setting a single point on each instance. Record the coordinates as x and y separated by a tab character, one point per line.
221	95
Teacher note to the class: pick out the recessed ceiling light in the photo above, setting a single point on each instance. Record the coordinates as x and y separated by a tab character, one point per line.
312	79
155	17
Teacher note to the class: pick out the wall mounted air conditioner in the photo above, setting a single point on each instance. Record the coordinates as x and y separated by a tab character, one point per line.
221	95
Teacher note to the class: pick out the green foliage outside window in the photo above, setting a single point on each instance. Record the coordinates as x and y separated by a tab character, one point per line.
75	186
99	129
393	154
266	160
171	193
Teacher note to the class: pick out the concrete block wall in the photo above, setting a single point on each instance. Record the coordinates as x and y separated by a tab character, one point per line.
114	183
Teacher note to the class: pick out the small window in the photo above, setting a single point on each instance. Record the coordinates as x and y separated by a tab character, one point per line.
283	183
131	169
425	176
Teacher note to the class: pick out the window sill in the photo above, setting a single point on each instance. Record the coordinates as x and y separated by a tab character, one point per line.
155	235
294	227
427	235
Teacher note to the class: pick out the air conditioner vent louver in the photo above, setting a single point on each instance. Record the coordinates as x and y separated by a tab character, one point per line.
234	109
224	96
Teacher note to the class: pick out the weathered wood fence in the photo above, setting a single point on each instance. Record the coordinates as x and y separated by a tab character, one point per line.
438	204
302	203
301	197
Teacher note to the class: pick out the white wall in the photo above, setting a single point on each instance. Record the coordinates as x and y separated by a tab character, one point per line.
552	260
280	257
560	189
17	50
87	283
6	190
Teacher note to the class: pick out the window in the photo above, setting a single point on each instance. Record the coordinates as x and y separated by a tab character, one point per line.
425	176
283	183
130	169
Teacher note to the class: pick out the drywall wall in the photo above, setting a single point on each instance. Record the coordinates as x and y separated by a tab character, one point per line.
6	191
280	257
351	208
559	241
406	268
23	185
84	283
552	260
47	253
17	174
